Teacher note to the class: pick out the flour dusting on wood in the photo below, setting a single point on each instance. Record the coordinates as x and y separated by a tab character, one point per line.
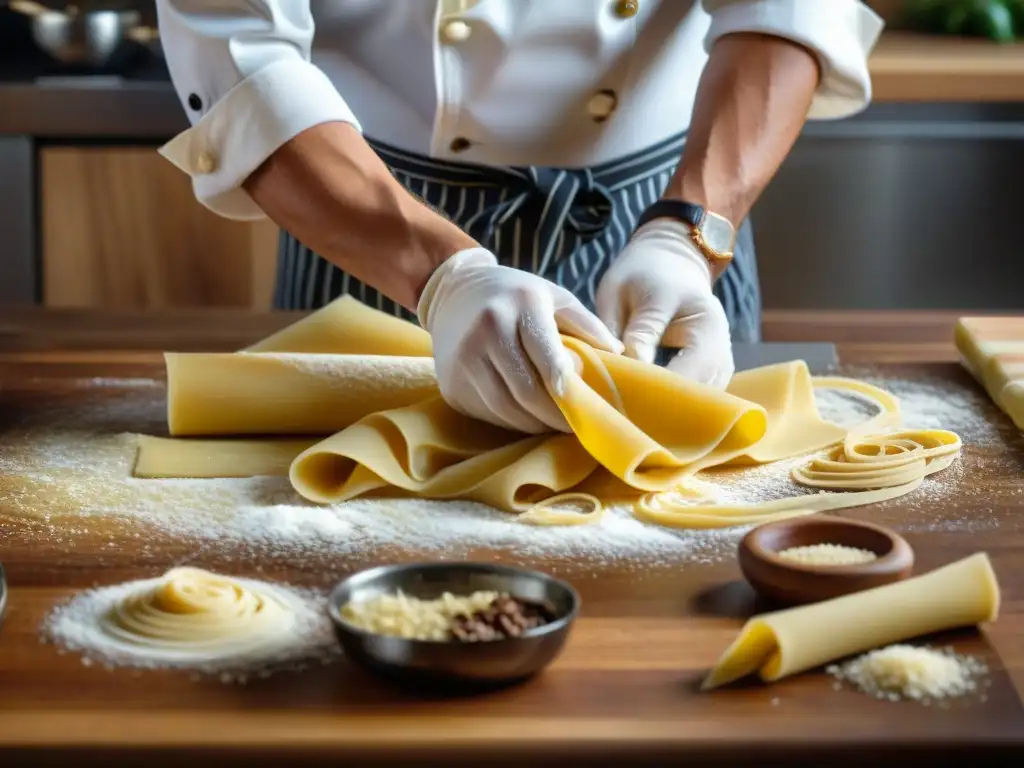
71	478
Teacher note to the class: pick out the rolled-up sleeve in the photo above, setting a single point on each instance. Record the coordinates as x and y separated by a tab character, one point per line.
841	33
242	71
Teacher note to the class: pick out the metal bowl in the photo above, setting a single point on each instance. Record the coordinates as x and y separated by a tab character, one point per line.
497	662
90	37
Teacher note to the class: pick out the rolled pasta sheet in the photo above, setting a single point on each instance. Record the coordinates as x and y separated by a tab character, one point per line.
992	349
783	643
212	394
1012	398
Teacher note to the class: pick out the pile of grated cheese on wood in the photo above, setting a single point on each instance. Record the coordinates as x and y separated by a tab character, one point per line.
827	554
910	672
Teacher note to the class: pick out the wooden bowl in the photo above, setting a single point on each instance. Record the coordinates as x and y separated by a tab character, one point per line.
792	583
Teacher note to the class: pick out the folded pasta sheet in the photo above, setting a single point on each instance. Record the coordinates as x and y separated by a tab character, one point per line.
362	383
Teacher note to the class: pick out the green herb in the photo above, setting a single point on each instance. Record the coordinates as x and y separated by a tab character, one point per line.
999	20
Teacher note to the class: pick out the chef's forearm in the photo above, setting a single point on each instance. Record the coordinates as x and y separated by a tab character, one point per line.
752	102
329	189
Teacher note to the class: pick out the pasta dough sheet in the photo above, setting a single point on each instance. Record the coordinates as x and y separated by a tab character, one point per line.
347	327
783	643
992	349
164	457
636	427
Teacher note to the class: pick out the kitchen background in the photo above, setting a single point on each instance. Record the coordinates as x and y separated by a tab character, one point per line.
916	203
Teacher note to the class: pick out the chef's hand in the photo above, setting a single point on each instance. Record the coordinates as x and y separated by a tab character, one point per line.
495	333
659	292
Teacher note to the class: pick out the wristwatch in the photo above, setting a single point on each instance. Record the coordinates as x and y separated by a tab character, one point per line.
714	235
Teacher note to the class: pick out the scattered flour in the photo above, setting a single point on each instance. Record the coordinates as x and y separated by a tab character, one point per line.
77	625
118	382
362	371
69	483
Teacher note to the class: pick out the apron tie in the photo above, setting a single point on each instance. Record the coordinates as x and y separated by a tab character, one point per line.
558	200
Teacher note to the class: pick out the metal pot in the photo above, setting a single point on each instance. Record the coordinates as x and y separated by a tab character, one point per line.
73	36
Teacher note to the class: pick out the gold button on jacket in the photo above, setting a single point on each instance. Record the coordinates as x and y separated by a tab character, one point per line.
626	9
456	31
206	163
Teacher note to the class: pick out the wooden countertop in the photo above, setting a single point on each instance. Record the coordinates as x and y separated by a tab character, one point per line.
914	67
624	689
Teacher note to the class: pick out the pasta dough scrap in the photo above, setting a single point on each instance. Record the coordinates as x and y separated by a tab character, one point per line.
666	510
201	615
386	430
775	645
546	513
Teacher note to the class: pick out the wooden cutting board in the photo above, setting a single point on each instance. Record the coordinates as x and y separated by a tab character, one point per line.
992	349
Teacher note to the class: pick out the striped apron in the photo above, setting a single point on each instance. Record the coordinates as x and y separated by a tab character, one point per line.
566	225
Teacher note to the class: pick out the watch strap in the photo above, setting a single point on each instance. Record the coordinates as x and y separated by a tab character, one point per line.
696	217
688	213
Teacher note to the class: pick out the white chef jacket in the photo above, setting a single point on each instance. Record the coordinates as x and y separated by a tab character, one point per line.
558	83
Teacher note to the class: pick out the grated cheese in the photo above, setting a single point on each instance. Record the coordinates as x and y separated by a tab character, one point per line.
909	672
827	554
407	617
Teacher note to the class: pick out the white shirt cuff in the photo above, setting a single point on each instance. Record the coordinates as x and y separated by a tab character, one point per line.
841	33
249	124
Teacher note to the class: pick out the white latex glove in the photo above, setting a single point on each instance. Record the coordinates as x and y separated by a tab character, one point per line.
659	292
495	333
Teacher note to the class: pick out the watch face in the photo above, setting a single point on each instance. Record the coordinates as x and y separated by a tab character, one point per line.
718	233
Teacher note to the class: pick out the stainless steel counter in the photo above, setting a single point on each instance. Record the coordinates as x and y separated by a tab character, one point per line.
903	207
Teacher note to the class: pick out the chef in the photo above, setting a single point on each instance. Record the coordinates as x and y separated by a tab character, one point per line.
503	171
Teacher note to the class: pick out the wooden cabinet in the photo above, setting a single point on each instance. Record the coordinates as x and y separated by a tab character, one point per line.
120	228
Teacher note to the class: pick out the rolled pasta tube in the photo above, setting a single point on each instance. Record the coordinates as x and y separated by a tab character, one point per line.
775	645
